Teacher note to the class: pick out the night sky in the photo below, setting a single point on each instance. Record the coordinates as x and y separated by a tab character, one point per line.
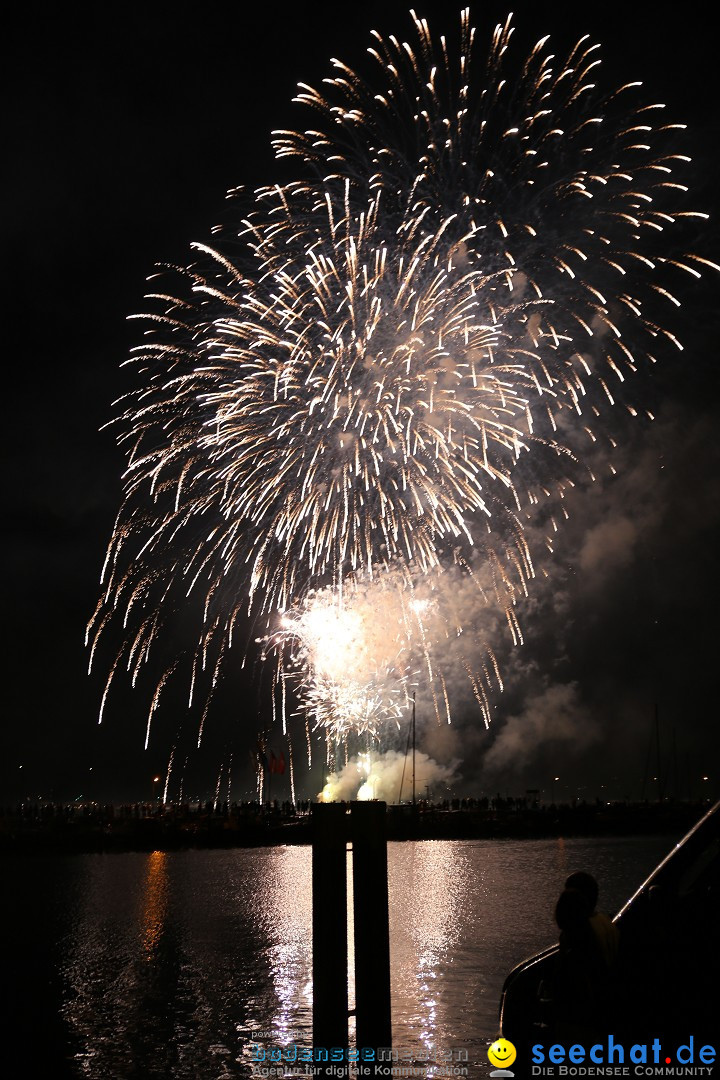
123	130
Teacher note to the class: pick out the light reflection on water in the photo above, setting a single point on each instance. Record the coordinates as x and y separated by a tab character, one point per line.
430	887
171	964
155	898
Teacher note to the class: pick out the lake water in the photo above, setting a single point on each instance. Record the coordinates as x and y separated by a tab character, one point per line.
134	966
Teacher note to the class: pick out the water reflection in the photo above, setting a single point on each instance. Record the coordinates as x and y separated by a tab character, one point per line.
172	964
561	855
123	966
429	886
155	901
281	899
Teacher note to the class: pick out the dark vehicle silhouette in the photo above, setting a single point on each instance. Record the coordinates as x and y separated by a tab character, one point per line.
668	971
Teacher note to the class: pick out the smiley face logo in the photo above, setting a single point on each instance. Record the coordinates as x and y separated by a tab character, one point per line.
502	1053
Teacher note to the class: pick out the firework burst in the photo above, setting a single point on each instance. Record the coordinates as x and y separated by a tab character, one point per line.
355	657
395	359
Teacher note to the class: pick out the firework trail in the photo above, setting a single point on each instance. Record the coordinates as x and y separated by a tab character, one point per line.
393	365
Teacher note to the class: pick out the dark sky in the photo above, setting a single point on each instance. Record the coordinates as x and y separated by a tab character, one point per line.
123	128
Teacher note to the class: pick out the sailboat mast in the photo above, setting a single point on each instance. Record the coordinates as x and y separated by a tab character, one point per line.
657	750
413	738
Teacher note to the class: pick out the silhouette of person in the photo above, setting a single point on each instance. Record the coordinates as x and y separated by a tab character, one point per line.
582	992
602	926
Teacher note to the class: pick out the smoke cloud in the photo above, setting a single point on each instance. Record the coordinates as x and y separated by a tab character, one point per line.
387	777
551	719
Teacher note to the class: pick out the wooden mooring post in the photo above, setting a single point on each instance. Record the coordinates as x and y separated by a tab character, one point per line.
364	827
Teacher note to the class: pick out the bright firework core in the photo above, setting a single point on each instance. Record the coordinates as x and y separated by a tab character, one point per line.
347	656
333	637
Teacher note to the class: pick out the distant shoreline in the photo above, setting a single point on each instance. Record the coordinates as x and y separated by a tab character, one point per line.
90	828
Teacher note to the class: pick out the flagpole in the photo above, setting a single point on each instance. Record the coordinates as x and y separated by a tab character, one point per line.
413	737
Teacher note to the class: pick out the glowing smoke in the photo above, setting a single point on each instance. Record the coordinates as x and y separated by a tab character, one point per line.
388	777
356	657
